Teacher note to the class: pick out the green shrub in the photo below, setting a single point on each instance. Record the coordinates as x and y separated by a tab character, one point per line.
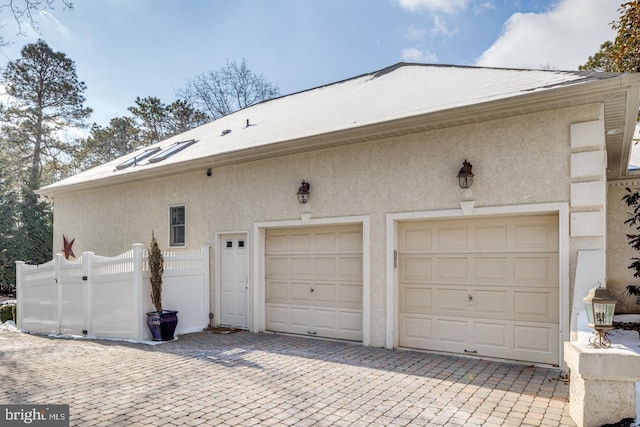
7	312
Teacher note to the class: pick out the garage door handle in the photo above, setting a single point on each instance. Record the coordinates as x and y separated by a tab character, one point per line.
312	290
471	351
311	333
470	298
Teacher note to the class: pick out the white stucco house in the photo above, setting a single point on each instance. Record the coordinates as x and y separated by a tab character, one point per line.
388	250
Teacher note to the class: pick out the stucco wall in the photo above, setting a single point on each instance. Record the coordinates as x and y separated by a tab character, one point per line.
619	253
519	160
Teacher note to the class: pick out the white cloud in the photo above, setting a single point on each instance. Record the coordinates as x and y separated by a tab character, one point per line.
416	33
487	5
447	6
440	27
49	22
562	38
416	55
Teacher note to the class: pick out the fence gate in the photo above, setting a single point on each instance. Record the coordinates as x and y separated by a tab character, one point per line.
107	297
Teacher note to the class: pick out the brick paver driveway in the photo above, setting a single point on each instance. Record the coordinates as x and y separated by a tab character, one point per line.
246	379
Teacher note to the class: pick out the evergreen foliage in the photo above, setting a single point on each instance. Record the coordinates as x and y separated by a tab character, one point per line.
156	268
45	97
9	249
623	54
632	200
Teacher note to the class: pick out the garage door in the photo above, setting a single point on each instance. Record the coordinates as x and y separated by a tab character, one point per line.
487	287
314	281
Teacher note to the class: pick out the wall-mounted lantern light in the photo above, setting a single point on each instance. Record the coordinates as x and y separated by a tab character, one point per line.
303	192
600	306
465	176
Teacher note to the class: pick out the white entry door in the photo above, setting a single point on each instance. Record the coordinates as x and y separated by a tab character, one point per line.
233	281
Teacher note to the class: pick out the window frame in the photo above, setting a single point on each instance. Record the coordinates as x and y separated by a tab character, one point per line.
172	244
135	160
170	150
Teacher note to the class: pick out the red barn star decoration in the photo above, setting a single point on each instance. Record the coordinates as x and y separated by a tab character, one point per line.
68	247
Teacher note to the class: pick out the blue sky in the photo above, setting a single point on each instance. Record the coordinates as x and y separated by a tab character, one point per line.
129	48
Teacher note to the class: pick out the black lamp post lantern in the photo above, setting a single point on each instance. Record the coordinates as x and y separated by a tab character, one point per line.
303	192
600	306
465	176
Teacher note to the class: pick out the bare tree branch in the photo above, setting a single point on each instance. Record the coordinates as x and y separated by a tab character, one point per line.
227	90
25	12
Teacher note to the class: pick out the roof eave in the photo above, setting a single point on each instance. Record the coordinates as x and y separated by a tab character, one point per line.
594	91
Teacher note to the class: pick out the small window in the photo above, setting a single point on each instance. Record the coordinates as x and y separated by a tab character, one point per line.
229	244
137	159
177	226
171	150
241	243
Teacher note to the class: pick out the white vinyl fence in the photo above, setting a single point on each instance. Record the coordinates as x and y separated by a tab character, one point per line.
108	297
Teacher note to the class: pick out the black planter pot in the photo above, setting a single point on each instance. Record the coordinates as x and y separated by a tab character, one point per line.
162	324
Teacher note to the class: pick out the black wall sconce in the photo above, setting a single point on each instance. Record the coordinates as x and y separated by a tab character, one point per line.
303	192
465	176
209	172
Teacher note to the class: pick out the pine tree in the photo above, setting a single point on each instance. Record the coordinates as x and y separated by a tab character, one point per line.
8	235
45	97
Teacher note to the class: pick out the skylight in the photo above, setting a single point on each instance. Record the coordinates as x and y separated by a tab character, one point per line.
171	150
137	159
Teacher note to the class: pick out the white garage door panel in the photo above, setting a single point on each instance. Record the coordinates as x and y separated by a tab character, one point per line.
351	321
316	321
536	306
536	270
325	319
415	269
350	268
490	334
277	267
451	330
452	269
314	275
278	292
487	286
298	293
524	233
509	340
452	301
496	269
299	267
481	301
415	299
278	315
278	242
350	241
350	296
416	328
451	238
299	316
491	236
323	294
490	302
492	270
534	337
538	234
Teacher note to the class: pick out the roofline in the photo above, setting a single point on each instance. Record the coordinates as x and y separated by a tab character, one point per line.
631	120
535	101
401	64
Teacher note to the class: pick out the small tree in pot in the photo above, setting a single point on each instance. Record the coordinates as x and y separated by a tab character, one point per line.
162	323
156	268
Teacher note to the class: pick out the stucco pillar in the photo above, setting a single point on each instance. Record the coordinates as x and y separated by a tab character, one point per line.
602	383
